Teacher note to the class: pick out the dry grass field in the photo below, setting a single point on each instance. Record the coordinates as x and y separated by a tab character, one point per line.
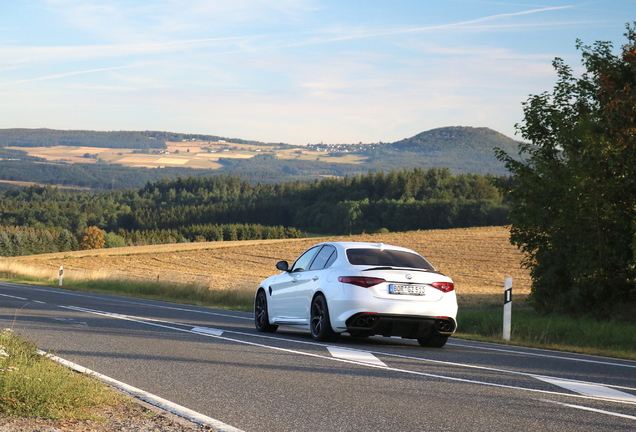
478	260
186	154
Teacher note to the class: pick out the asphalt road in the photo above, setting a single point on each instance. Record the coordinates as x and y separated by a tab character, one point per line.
214	362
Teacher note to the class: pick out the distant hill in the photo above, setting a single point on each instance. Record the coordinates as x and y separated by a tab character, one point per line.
456	139
460	149
115	139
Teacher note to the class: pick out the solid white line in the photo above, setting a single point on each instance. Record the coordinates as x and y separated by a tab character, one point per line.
609	363
591	409
491	369
119	299
148	397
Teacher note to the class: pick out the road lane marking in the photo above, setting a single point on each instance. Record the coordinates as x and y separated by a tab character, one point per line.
355	355
71	321
141	320
600	411
148	397
552	356
13	297
227	315
589	389
485	368
207	331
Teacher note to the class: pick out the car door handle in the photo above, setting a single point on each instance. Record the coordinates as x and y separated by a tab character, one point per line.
315	278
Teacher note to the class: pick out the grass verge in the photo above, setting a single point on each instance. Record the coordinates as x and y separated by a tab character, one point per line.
557	332
34	386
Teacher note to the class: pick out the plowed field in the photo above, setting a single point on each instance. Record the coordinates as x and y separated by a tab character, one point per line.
478	260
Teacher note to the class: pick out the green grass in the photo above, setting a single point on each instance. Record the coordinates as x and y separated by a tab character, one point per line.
33	386
558	332
239	299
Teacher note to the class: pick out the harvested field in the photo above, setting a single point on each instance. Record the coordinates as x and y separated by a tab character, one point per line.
478	260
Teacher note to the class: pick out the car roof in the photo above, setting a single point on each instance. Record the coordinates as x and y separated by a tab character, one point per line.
367	245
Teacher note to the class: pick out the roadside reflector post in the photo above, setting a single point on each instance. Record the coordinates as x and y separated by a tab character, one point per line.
507	314
61	274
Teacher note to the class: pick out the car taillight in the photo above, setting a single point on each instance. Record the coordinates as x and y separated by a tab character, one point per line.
362	281
443	286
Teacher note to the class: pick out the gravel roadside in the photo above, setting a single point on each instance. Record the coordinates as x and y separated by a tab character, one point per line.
134	416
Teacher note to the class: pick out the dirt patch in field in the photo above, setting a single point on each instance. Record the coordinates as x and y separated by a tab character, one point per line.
478	260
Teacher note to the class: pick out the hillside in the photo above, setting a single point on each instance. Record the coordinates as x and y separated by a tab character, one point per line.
461	149
457	138
121	160
18	137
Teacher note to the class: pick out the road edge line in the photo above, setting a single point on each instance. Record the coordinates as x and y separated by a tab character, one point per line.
147	397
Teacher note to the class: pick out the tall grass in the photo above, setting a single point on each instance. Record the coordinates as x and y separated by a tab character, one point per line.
239	298
34	386
583	335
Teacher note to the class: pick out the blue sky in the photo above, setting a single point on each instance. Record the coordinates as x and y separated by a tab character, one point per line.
295	71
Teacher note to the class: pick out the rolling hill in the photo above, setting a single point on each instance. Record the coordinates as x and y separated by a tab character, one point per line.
128	159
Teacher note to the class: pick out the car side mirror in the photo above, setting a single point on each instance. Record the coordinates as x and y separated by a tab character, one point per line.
282	265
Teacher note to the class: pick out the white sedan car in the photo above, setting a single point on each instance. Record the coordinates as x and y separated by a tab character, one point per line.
361	288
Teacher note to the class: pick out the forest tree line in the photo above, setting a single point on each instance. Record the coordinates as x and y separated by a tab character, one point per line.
230	208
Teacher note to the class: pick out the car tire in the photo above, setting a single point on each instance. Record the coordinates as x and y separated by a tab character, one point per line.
261	315
433	341
319	321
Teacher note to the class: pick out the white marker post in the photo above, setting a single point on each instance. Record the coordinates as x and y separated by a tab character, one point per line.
61	274
507	315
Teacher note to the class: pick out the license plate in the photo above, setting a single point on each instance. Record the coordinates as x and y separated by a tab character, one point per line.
407	289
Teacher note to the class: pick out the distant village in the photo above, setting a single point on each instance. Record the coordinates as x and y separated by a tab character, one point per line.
341	148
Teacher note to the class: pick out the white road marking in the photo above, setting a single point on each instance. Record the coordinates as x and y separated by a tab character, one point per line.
207	330
139	302
13	297
148	397
71	321
612	413
141	320
553	356
589	389
355	355
592	390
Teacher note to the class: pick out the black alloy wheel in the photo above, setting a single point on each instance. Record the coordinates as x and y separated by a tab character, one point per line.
261	316
320	323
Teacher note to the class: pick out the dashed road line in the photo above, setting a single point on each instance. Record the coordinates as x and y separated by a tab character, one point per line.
355	355
589	389
344	358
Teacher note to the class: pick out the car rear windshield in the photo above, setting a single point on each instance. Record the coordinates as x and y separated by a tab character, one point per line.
387	258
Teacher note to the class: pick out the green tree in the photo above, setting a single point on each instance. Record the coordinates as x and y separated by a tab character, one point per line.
574	197
112	240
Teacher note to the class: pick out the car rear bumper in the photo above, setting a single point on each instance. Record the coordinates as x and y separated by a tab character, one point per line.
400	325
